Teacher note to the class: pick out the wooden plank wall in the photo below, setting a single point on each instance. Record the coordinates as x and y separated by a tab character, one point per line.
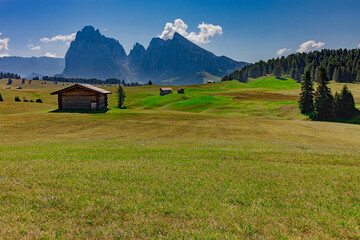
80	99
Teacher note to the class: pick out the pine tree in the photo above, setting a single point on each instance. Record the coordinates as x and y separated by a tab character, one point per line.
336	75
121	97
336	112
297	74
317	75
1	99
323	98
292	73
312	73
357	79
306	101
344	106
330	70
150	83
277	71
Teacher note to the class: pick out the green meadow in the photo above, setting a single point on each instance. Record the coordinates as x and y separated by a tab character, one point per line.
227	160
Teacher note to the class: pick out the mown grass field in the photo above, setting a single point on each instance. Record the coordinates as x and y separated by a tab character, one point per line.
223	161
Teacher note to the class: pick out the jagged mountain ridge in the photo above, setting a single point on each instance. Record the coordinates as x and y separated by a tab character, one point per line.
178	57
175	61
92	55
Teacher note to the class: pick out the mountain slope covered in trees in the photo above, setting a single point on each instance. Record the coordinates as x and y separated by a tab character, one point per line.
341	65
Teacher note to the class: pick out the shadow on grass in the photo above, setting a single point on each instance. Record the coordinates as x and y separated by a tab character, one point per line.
353	120
104	110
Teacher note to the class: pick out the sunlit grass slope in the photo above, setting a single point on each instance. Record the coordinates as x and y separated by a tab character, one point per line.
223	161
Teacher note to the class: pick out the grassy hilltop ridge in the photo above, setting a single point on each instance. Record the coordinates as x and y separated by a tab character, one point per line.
225	160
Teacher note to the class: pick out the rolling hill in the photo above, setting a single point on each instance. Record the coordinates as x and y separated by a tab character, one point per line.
222	161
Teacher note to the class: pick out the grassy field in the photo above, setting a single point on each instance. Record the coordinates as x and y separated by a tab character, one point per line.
223	161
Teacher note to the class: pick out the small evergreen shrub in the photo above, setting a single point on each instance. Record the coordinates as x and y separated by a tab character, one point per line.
17	99
38	100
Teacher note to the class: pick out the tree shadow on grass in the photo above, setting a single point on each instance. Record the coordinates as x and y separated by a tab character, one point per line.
104	110
353	120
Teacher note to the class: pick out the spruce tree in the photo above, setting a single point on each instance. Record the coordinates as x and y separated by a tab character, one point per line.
317	74
336	75
292	73
337	106
306	101
121	97
323	98
357	79
1	98
344	106
150	83
277	71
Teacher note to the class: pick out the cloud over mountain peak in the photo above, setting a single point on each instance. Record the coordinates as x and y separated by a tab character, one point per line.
203	36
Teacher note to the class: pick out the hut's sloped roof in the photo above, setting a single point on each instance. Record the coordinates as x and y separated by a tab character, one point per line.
84	86
166	89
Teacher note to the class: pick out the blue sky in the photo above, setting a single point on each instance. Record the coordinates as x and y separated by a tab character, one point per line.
250	30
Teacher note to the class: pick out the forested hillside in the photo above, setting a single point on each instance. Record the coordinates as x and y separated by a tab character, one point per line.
341	65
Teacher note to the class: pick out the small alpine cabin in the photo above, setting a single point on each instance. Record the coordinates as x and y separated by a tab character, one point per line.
210	81
82	97
164	91
181	91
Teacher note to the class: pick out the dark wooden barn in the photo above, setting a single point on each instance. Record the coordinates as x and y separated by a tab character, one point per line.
164	91
181	91
82	97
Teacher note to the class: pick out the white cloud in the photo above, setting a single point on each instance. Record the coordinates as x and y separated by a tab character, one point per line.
50	54
32	47
359	45
170	28
206	31
309	46
282	51
64	38
0	33
4	55
4	43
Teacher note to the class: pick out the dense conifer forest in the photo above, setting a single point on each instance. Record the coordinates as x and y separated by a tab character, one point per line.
341	65
109	81
9	75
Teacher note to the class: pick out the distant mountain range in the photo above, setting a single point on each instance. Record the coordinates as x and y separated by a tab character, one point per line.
32	66
175	61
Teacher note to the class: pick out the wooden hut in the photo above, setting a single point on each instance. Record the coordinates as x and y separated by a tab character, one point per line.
181	91
82	97
164	91
210	81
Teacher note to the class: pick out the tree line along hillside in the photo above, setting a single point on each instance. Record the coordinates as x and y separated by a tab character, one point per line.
108	81
341	65
9	75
